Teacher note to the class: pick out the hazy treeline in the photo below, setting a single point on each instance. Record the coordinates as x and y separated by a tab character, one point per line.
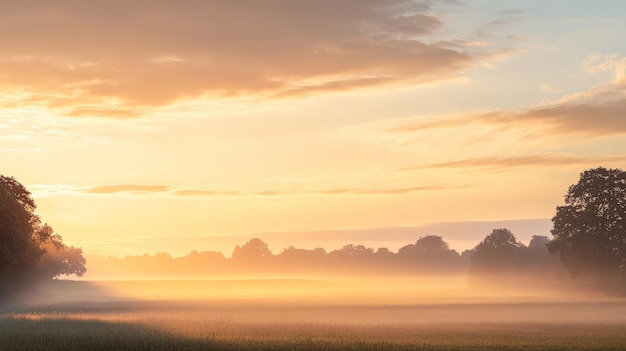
499	253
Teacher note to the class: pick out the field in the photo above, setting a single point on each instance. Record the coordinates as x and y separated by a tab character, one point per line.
306	314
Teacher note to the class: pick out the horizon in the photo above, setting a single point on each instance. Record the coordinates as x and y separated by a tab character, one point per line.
460	236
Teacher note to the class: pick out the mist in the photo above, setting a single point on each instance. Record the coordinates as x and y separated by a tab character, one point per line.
356	295
422	282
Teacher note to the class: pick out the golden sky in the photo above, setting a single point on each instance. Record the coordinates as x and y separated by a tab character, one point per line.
157	121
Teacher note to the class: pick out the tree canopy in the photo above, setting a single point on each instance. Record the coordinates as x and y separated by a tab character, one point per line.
499	251
590	229
254	249
30	249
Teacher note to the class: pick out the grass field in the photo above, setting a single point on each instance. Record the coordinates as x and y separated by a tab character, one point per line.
313	315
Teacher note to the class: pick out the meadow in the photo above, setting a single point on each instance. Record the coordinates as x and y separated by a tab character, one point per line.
288	314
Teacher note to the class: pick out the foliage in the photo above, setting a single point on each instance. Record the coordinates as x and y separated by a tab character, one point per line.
499	239
538	243
29	248
254	249
590	229
500	250
427	245
19	249
429	255
502	260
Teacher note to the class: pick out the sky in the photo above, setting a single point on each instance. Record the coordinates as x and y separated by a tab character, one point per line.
169	126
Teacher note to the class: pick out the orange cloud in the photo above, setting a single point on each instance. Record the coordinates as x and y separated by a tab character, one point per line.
137	189
552	160
593	118
597	111
205	193
148	189
118	58
585	117
415	127
338	191
400	191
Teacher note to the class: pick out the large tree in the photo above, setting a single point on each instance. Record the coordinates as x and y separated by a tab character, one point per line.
29	249
590	229
500	252
254	249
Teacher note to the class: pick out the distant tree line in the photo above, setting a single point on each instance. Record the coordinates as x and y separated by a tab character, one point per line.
500	254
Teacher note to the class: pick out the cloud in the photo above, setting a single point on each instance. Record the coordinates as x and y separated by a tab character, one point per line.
421	126
547	88
332	191
135	189
60	189
538	160
205	193
589	118
120	58
387	191
511	12
598	111
597	62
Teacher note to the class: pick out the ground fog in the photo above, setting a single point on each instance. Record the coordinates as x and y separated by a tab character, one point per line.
308	314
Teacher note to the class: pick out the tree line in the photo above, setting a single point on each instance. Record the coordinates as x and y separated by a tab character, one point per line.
588	242
498	254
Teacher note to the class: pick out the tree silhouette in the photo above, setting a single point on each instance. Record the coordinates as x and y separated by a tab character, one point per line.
498	253
538	243
28	248
254	249
590	229
430	253
430	245
499	239
354	251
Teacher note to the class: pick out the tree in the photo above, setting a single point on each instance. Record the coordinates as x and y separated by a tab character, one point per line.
430	254
354	251
254	249
429	245
61	260
590	229
538	243
18	246
499	252
499	239
539	261
29	249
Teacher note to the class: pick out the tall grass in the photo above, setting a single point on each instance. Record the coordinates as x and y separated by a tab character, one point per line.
121	327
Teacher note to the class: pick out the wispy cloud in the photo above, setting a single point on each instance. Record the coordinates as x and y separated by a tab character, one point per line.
598	111
591	118
126	57
55	189
136	189
205	193
421	126
388	191
548	88
305	192
537	160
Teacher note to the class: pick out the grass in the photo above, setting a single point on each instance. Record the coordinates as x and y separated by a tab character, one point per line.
120	327
222	323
